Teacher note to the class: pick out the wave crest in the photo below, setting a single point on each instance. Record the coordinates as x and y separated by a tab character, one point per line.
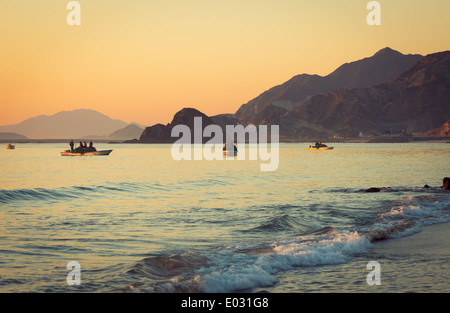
232	268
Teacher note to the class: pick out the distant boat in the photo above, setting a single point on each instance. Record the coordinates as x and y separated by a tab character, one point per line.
319	146
88	153
230	150
10	147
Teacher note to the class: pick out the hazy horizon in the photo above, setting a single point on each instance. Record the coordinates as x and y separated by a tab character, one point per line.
143	61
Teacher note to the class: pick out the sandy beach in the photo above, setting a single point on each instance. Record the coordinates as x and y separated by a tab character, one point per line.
417	263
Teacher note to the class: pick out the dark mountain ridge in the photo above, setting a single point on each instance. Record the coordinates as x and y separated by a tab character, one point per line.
380	68
415	101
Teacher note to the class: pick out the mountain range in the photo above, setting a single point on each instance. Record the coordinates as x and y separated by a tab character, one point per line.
413	102
379	68
387	93
76	124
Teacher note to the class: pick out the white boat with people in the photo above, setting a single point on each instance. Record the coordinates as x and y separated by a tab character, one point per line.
84	150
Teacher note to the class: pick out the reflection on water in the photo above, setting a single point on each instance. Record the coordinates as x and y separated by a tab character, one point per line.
139	206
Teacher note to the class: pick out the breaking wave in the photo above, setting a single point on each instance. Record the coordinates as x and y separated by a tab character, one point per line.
243	266
409	215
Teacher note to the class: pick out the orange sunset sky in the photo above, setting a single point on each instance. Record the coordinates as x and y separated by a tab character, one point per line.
144	60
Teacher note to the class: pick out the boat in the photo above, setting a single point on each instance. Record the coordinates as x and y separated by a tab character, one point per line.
10	147
319	146
229	150
87	153
229	153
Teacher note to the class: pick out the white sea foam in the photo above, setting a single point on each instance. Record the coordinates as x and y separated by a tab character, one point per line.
423	210
232	271
410	214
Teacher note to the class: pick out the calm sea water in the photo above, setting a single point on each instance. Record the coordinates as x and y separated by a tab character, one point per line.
137	220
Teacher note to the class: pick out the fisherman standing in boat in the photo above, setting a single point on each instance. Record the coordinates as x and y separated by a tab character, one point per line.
91	147
71	145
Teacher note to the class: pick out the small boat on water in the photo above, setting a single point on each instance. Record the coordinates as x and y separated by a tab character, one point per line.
87	153
229	153
319	146
10	147
230	150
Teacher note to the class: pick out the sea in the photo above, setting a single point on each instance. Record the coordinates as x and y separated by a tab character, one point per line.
140	221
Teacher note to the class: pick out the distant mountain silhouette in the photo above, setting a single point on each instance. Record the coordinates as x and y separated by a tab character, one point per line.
11	136
277	101
413	102
131	131
66	124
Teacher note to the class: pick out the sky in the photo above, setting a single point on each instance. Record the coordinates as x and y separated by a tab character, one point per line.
144	60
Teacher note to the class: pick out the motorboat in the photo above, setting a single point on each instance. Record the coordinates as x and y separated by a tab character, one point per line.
229	153
10	147
319	146
230	150
87	153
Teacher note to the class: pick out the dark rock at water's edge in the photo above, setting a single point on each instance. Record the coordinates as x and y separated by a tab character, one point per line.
446	183
158	133
373	189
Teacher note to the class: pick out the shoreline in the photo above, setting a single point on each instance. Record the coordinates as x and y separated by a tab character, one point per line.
432	239
419	263
415	263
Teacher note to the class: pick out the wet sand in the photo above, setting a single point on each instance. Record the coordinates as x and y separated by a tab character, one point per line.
417	263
